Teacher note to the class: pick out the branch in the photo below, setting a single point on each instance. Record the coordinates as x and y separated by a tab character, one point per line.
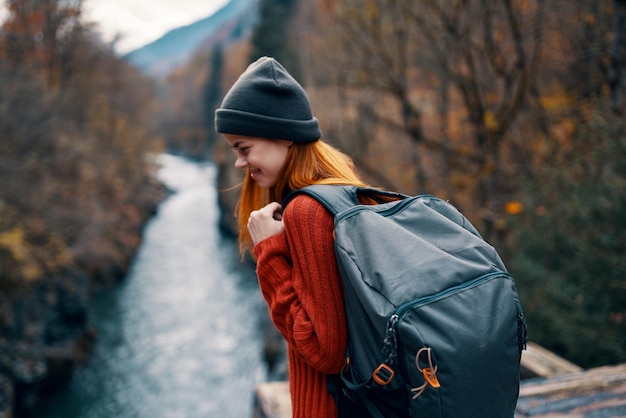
507	112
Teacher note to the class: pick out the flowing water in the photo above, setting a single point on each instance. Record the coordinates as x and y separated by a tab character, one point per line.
182	336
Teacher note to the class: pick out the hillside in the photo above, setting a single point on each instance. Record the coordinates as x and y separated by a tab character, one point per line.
173	49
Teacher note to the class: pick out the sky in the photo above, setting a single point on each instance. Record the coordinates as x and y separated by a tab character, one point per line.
139	22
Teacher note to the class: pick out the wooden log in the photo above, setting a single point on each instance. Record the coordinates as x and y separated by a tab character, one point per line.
272	400
539	362
598	393
592	379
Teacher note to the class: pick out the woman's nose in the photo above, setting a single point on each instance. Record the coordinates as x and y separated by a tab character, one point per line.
241	162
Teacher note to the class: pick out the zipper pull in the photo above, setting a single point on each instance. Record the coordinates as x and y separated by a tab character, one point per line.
390	347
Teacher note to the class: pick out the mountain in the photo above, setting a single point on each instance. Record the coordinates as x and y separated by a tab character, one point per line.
177	46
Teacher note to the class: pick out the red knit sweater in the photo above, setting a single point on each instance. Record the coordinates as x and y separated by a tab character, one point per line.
300	281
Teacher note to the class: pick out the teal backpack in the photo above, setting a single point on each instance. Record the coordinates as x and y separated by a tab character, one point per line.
435	325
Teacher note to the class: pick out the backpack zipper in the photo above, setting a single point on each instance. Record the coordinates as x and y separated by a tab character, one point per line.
402	309
390	342
397	207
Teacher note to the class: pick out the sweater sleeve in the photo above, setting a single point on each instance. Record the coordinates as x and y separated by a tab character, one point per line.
300	281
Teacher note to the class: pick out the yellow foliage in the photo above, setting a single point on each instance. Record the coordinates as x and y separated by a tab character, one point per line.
14	242
372	10
557	102
514	207
490	120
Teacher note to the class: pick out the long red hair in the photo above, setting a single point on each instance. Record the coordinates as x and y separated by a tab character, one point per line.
311	163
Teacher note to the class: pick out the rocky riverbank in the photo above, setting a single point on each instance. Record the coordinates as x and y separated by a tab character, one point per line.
46	335
44	330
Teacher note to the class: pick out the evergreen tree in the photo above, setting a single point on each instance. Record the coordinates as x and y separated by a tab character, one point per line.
213	93
569	251
271	38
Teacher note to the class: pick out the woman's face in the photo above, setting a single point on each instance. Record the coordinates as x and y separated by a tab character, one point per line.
264	158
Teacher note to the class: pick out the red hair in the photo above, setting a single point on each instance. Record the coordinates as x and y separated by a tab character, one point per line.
311	163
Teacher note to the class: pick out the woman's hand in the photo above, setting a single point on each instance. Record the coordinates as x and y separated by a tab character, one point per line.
265	222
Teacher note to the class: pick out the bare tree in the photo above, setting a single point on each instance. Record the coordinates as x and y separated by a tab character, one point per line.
471	61
617	69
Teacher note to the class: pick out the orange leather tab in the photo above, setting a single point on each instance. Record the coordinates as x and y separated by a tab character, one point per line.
430	376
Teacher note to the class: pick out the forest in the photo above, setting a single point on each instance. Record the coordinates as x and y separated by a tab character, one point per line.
511	109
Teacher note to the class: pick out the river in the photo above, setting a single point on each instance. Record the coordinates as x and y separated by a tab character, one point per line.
182	336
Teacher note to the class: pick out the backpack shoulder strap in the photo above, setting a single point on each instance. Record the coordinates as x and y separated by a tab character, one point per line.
337	198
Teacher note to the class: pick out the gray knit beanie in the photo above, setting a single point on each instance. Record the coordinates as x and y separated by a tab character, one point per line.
267	102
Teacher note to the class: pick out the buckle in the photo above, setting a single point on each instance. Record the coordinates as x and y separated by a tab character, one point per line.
383	375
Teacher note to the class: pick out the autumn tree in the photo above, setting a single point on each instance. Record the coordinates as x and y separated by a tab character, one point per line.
75	186
450	78
75	124
43	36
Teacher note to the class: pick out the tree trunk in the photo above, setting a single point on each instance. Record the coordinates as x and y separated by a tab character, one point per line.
617	68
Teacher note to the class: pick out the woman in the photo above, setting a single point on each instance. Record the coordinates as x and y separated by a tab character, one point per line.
267	120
